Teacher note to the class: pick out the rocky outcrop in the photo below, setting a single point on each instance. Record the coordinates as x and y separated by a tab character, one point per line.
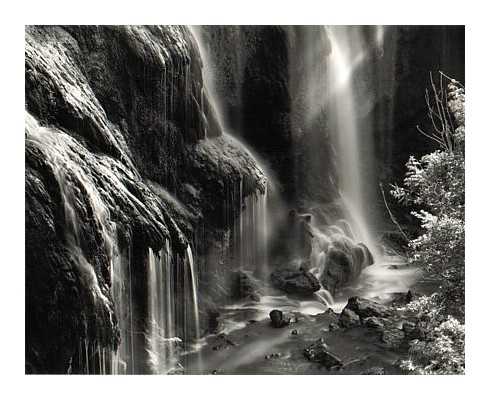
349	319
367	308
295	282
344	263
123	153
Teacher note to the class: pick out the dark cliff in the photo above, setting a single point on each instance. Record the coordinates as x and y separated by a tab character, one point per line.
122	147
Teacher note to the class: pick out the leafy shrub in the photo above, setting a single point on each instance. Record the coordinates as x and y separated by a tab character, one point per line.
434	188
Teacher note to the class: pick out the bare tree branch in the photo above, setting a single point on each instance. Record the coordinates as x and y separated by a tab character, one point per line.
392	217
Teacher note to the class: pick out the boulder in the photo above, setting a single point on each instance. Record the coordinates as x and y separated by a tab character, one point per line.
349	319
368	258
341	267
367	308
277	319
319	352
295	282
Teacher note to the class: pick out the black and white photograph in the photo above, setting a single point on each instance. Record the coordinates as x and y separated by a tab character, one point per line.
247	197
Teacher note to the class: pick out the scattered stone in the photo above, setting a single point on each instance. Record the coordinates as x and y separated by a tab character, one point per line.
320	353
367	308
252	321
277	319
295	282
294	332
349	319
374	371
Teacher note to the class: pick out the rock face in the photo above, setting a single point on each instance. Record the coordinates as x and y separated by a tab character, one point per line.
264	75
115	122
295	282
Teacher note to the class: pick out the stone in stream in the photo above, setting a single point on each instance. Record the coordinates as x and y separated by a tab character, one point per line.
291	281
278	319
349	319
319	352
367	308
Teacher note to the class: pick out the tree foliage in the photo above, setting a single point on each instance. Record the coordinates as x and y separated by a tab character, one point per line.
434	188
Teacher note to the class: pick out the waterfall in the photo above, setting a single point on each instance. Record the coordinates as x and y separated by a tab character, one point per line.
348	51
61	153
169	275
162	337
189	261
123	360
251	233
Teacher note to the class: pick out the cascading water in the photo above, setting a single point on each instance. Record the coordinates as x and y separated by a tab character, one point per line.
347	54
251	232
162	336
165	272
353	235
94	354
123	360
